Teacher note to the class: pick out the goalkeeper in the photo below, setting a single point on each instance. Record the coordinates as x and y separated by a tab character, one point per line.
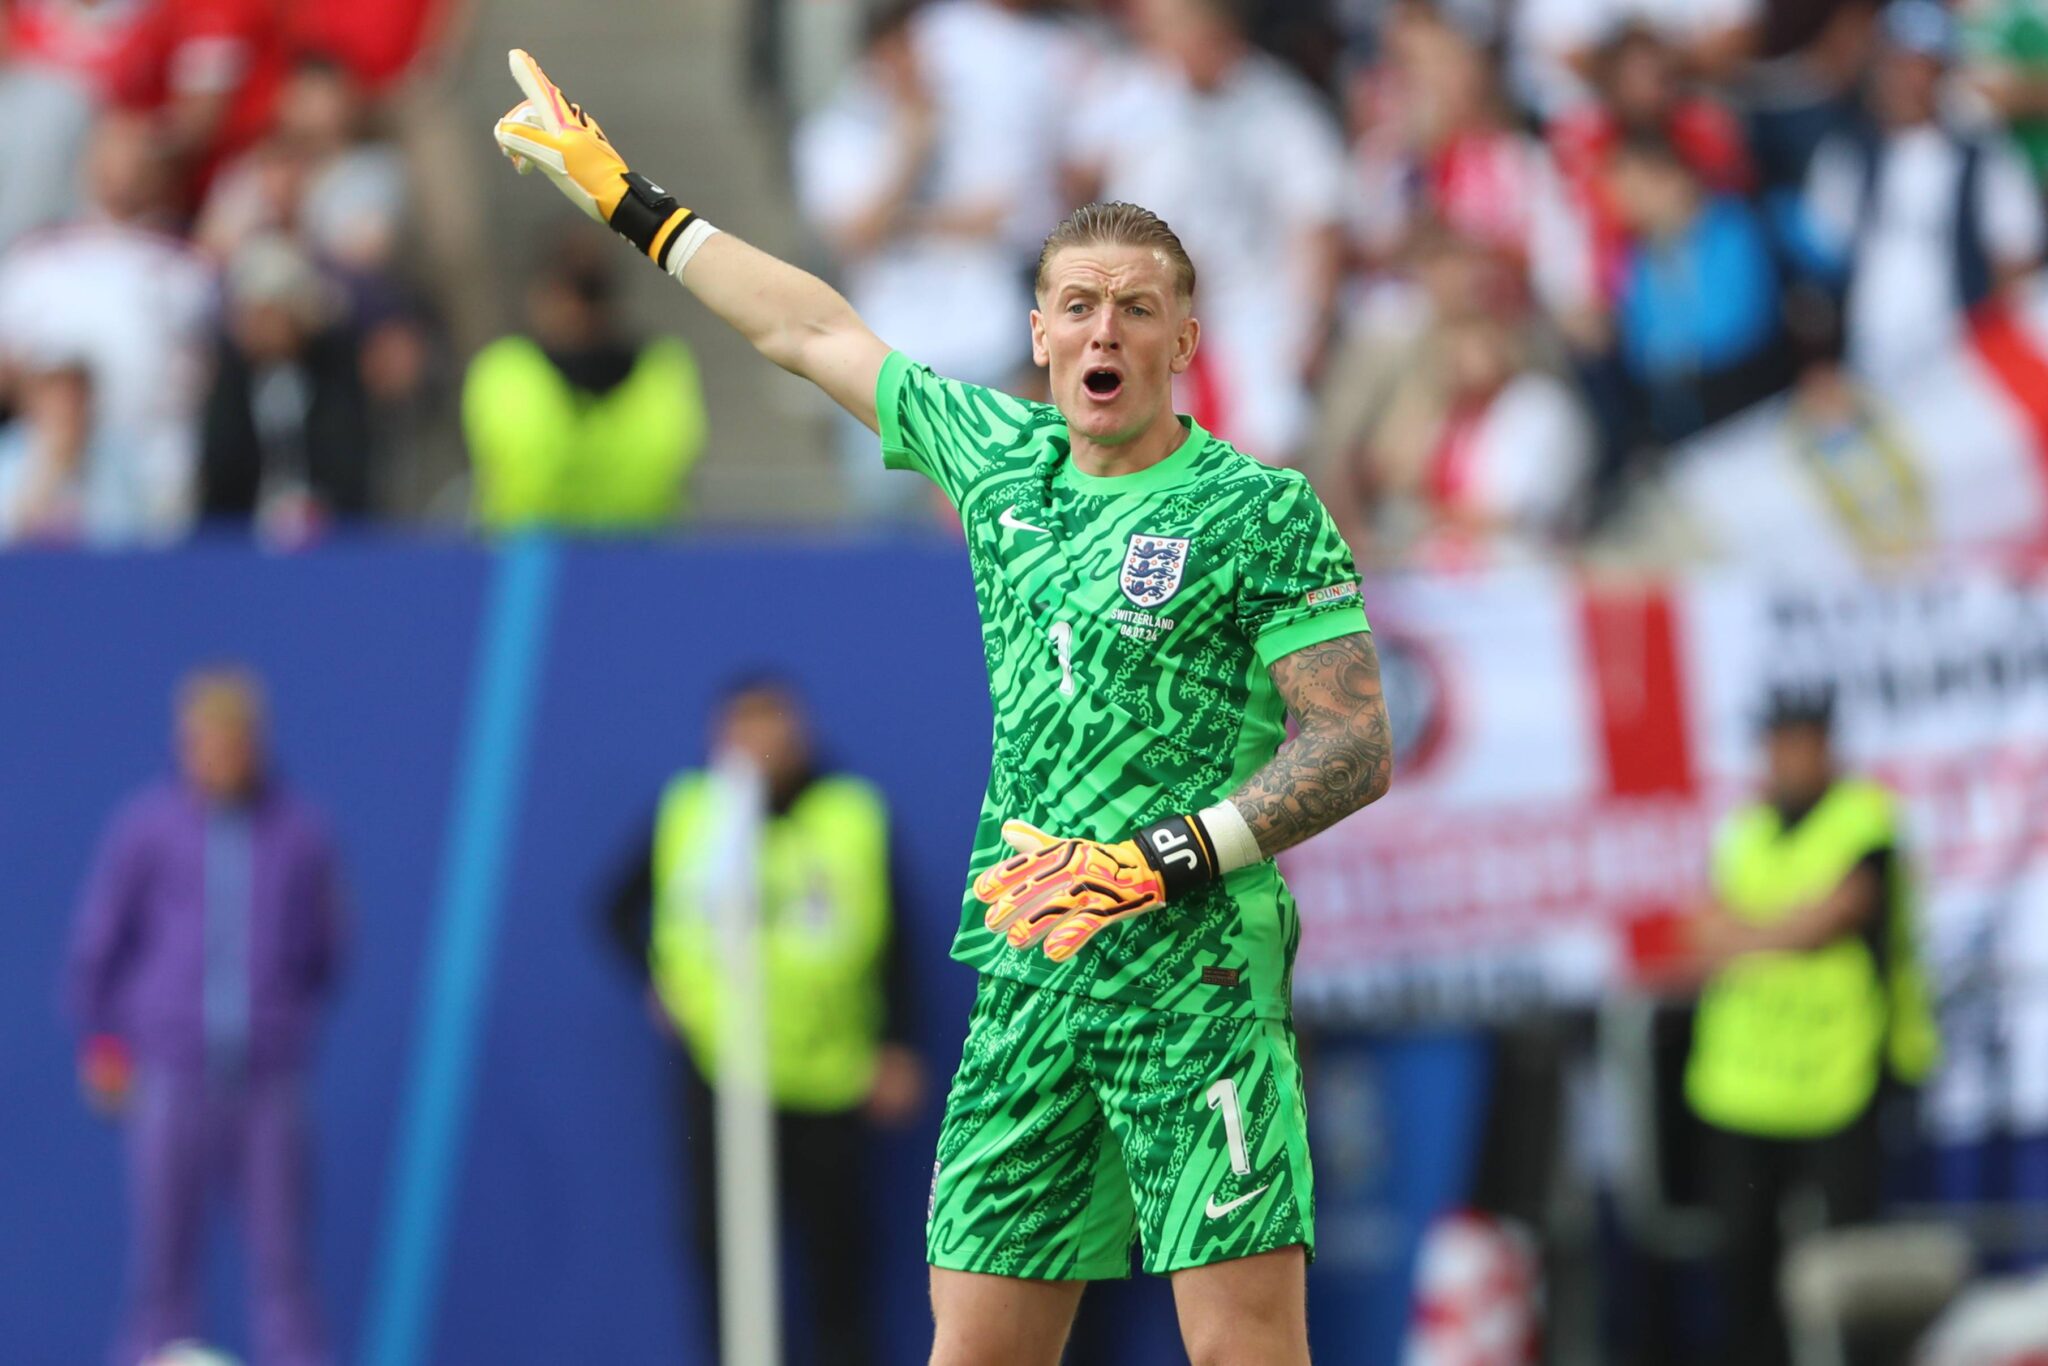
1153	605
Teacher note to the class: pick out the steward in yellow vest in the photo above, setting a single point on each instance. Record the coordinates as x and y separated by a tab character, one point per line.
1794	1036
574	428
824	899
831	977
1814	998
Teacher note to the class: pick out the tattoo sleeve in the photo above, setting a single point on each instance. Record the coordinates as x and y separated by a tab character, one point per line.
1341	756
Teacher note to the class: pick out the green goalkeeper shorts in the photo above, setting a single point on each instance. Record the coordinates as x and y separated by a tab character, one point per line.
1075	1125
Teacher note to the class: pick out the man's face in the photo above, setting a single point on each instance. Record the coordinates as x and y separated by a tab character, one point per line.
1801	762
317	111
564	315
267	330
220	753
1461	278
893	60
1640	85
1112	333
124	167
765	725
1907	87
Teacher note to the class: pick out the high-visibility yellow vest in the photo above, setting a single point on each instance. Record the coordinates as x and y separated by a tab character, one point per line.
1792	1045
824	902
545	453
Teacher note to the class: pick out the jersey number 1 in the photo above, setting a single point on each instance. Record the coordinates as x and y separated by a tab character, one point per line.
1062	633
1223	1096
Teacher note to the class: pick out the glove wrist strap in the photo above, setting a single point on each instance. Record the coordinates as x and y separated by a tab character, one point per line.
1181	852
1190	852
649	217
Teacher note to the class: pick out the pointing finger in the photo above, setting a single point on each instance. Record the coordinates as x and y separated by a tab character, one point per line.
534	83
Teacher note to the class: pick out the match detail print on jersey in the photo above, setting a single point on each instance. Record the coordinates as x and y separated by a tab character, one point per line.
1128	625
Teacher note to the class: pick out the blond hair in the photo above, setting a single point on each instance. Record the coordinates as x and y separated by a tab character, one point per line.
226	693
1119	224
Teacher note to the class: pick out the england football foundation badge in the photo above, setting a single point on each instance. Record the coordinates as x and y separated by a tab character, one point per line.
1152	568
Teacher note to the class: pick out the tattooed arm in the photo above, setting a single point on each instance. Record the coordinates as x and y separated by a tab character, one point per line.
1342	755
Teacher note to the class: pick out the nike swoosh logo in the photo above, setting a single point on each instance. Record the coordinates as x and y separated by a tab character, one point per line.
1216	1211
1011	520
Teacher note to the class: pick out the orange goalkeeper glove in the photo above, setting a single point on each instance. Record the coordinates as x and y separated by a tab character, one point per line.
545	131
1066	891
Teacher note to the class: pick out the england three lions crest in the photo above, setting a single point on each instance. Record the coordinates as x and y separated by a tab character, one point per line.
1152	568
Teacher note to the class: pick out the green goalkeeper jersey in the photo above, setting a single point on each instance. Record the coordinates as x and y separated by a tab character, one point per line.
1129	623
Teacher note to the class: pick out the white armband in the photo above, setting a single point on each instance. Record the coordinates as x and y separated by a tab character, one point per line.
1236	846
695	234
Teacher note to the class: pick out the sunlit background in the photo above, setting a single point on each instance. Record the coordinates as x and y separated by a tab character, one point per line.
1661	360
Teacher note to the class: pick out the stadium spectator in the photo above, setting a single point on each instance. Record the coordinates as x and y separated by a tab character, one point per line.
832	977
206	946
382	44
286	438
1814	1002
55	57
1435	142
316	176
207	73
579	425
1446	444
987	65
1389	103
1237	152
1641	91
128	304
1559	41
342	196
1925	219
903	234
2006	46
1434	149
1810	61
60	480
1698	323
1479	458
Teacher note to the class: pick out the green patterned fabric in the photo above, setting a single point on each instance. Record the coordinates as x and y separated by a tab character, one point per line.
1075	1124
1128	625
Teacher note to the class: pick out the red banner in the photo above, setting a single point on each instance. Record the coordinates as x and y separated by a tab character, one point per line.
1564	752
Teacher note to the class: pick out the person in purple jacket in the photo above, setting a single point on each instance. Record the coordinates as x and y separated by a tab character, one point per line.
205	949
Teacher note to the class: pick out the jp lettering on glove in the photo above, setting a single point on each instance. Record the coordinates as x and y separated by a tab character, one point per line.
1065	891
546	132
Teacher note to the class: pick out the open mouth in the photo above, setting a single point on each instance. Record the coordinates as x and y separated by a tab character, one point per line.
1103	383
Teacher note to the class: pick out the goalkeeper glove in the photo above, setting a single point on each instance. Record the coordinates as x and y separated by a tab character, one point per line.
547	132
1066	891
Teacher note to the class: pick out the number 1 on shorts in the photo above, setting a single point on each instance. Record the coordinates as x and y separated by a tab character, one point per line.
1223	1096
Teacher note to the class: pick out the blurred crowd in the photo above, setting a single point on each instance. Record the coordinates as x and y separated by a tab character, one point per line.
1475	265
205	311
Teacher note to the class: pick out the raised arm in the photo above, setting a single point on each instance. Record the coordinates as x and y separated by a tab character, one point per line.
1340	758
789	315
